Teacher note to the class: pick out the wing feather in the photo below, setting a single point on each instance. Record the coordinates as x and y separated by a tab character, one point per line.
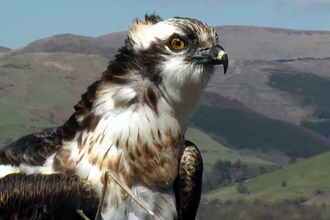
35	148
56	196
188	184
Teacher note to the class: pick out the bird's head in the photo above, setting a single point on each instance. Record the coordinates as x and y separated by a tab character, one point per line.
177	56
177	45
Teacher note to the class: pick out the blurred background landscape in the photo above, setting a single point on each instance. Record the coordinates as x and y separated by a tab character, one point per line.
263	128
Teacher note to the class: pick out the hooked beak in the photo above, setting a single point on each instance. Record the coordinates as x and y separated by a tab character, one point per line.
215	55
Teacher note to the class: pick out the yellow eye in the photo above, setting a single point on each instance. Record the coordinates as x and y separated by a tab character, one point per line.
177	43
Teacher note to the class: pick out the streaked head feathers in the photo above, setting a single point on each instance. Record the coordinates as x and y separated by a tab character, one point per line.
170	56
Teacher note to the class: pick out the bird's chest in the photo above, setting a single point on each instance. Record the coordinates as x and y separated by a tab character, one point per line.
140	149
154	163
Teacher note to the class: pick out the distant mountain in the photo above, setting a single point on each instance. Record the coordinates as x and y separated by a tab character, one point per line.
70	43
264	43
116	39
4	49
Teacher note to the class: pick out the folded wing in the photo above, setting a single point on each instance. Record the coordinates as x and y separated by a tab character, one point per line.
188	185
34	149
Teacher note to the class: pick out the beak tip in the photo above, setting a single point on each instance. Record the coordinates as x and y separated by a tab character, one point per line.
225	69
223	58
225	63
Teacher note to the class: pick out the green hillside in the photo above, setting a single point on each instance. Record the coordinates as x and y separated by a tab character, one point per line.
302	181
41	82
249	130
213	151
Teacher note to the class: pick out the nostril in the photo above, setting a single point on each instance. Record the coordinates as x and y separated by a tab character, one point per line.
205	48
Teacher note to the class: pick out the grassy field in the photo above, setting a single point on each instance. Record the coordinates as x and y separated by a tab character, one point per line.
16	122
302	180
213	151
41	82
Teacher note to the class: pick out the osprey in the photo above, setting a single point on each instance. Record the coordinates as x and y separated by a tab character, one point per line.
132	122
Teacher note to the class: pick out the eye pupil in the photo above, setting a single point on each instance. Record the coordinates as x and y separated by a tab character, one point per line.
178	42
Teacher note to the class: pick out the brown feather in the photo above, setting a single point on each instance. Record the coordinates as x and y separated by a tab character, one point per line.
34	149
151	97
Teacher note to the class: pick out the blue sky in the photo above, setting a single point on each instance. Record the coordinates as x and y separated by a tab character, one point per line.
23	21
